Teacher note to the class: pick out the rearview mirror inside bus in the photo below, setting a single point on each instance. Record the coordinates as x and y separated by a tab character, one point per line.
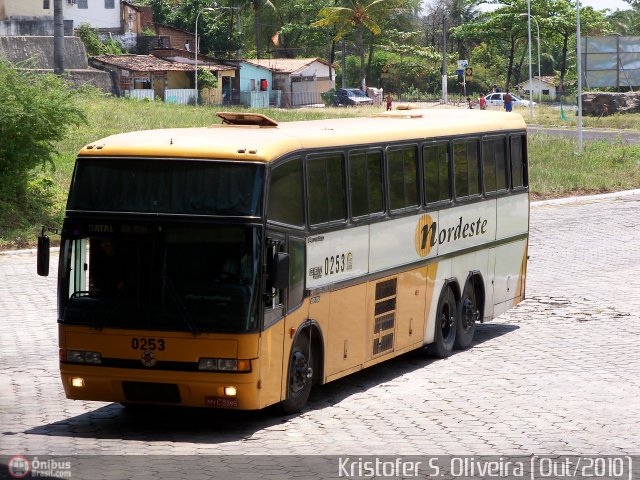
43	255
280	270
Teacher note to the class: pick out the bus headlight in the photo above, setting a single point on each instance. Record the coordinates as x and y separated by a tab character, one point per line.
224	365
80	356
77	382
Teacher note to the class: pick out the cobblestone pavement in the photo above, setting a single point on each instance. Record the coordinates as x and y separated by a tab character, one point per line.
559	374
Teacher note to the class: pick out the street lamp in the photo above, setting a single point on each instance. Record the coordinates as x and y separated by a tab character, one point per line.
206	9
530	75
579	56
538	31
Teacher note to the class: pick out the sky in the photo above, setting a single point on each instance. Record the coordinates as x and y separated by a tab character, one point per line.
612	5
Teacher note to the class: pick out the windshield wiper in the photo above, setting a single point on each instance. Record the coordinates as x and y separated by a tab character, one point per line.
182	309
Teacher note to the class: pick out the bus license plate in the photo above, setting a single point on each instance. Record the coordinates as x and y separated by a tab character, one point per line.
220	402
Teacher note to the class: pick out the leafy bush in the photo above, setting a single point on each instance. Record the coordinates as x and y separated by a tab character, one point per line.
36	111
206	79
94	45
329	97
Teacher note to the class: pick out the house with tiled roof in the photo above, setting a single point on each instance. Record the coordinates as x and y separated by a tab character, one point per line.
151	77
300	81
542	85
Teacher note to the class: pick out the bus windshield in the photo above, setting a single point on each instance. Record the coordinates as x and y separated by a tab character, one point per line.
161	277
220	188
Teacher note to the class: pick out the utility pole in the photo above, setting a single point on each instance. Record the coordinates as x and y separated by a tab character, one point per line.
445	96
58	38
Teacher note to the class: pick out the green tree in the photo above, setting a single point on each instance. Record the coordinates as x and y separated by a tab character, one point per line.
561	28
36	110
504	27
357	17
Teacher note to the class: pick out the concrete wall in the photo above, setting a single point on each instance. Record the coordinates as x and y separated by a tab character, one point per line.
38	52
35	26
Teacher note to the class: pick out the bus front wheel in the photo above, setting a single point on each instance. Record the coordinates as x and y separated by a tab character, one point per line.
300	376
446	320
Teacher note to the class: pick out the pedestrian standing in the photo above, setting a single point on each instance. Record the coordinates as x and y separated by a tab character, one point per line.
508	101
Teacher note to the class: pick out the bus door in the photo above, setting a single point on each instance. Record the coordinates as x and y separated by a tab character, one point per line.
273	296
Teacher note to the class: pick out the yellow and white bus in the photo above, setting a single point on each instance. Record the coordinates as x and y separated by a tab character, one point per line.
237	265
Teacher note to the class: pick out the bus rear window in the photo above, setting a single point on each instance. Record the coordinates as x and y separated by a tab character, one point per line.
167	186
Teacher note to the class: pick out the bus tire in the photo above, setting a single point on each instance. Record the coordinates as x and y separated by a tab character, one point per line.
467	316
300	376
446	320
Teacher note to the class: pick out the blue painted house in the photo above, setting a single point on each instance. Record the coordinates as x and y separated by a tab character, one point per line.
255	85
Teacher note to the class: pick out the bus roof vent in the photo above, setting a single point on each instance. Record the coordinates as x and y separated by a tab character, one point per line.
239	118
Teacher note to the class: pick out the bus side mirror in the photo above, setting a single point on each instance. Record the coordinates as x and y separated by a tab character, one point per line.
280	271
43	255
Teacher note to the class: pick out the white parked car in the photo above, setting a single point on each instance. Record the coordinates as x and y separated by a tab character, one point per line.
497	100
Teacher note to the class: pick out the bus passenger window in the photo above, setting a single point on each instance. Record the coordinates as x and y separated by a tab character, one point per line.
436	172
494	164
325	183
403	177
365	177
466	167
518	175
286	203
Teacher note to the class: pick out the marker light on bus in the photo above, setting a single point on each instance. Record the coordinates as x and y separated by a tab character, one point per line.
230	391
79	356
77	382
224	365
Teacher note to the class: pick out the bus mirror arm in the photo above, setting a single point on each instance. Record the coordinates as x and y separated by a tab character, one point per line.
44	251
280	271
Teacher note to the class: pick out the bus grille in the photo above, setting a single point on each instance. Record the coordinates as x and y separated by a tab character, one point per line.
385	343
384	316
151	392
386	289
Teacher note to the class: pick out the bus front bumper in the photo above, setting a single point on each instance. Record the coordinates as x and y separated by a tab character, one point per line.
190	389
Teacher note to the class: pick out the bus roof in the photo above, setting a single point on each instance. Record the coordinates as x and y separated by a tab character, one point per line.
263	144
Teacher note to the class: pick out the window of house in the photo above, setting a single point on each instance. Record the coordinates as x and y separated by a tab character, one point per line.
109	4
325	186
466	167
436	172
402	164
286	197
83	3
365	182
46	4
494	164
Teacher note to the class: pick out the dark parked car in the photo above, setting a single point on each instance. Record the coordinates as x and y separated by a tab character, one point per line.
352	96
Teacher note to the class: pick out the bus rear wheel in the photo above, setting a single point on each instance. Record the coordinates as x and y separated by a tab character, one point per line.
446	321
467	317
300	376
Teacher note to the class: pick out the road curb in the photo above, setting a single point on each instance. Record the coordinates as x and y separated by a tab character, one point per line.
585	198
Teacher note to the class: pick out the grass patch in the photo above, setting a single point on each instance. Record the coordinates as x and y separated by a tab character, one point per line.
555	168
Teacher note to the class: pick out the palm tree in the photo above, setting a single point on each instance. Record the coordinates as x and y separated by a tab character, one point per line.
357	15
257	6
